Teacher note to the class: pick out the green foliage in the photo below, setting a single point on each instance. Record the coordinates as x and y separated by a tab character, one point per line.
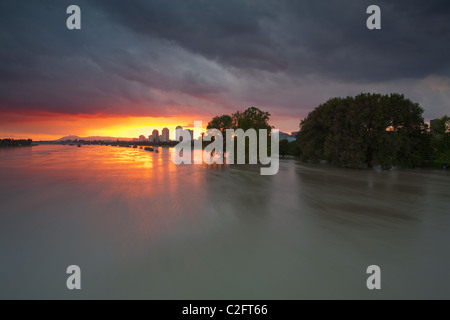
295	149
284	148
221	123
366	129
289	148
251	118
440	141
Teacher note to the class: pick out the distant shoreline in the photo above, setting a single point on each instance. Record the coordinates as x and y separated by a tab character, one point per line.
31	145
7	143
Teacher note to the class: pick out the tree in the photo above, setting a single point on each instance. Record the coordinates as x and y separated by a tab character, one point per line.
294	149
385	129
284	148
407	135
440	140
221	123
315	138
252	118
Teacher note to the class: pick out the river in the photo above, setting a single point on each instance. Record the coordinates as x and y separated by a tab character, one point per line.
139	226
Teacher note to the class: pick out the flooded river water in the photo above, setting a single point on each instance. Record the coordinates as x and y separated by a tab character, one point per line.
141	227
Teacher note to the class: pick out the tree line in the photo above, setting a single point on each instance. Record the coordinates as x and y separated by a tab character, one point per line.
366	130
15	143
373	129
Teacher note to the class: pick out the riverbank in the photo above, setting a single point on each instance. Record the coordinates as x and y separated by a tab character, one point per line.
16	143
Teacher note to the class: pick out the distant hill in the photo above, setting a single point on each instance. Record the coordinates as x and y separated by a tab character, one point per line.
98	138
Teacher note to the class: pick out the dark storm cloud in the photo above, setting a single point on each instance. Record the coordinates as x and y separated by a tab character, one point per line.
148	57
99	69
329	37
229	31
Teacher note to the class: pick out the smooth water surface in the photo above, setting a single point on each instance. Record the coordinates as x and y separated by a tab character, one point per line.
141	227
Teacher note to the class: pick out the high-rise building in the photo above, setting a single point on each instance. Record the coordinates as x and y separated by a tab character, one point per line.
179	133
165	135
155	136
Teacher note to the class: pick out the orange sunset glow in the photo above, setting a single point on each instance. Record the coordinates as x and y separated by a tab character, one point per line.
54	126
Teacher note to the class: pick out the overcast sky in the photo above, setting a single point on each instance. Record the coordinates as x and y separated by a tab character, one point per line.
169	58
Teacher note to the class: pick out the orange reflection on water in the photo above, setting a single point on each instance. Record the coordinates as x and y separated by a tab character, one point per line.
144	192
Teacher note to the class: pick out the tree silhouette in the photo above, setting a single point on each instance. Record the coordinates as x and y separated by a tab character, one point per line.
385	129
